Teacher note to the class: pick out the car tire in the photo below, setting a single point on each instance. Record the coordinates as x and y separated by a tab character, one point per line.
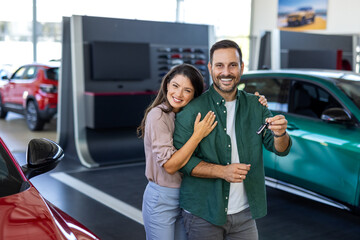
3	112
32	117
303	21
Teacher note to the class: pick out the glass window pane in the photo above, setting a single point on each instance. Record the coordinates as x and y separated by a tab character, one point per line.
15	33
230	18
156	10
311	100
52	73
30	73
275	90
19	73
10	179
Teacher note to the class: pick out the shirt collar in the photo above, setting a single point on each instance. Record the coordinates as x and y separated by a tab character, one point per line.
163	106
217	98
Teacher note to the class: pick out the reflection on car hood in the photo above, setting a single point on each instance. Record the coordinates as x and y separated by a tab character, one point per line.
26	215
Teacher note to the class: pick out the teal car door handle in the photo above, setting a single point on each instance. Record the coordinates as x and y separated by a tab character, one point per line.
292	127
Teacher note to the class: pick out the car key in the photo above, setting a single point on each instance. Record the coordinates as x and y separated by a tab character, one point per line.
261	128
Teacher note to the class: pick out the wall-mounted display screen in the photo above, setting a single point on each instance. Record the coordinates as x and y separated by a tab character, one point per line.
120	61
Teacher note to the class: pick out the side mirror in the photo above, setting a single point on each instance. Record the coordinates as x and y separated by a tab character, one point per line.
42	156
336	115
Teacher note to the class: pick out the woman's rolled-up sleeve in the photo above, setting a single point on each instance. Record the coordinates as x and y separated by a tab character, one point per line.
160	130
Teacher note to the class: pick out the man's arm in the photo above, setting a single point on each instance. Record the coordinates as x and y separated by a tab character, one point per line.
282	143
235	172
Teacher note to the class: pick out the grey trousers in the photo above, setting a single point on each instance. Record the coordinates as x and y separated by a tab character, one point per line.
238	226
162	214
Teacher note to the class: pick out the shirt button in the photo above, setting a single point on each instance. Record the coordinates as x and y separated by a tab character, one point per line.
226	198
217	103
228	163
224	111
224	129
222	100
229	145
225	209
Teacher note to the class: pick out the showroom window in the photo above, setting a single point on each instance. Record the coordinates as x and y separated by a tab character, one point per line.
230	18
16	22
15	33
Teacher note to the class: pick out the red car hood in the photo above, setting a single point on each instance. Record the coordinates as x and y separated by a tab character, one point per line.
27	216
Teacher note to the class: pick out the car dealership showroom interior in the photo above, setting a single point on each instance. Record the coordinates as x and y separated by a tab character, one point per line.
82	155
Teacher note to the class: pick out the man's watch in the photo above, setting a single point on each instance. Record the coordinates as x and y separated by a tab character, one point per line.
283	134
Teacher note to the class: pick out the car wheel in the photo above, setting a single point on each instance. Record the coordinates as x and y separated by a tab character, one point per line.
303	21
3	112
32	117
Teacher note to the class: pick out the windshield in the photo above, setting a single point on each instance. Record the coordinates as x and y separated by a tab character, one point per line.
10	179
305	9
350	85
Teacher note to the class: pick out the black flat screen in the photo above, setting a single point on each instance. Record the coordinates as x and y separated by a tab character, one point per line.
120	61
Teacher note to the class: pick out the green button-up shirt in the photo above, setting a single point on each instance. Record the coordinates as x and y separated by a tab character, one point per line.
206	197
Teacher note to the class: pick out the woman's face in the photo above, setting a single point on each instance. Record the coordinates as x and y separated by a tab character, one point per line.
180	92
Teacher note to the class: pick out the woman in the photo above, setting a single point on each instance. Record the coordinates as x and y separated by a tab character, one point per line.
161	212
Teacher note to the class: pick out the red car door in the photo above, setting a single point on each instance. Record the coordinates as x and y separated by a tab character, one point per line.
23	86
11	93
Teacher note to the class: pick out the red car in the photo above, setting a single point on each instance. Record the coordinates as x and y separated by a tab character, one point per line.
32	91
24	213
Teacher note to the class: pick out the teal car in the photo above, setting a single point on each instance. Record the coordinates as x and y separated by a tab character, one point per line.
323	113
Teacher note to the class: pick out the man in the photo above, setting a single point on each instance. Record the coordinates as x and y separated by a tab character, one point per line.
223	189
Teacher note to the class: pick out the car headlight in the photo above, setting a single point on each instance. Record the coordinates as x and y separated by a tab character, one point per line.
48	88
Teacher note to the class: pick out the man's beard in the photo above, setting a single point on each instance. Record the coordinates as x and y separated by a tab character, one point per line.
226	90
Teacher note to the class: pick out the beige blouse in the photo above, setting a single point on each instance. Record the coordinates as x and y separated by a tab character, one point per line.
158	143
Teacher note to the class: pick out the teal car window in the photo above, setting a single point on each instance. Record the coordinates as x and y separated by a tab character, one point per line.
302	98
311	100
311	89
275	90
351	88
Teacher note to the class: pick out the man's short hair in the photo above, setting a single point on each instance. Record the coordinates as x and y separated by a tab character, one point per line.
225	44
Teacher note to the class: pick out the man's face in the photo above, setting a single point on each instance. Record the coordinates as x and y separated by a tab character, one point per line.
226	70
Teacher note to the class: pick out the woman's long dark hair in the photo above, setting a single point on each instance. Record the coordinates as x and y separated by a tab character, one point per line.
187	70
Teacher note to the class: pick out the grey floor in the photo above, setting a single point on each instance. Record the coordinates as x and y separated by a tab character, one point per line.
289	217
